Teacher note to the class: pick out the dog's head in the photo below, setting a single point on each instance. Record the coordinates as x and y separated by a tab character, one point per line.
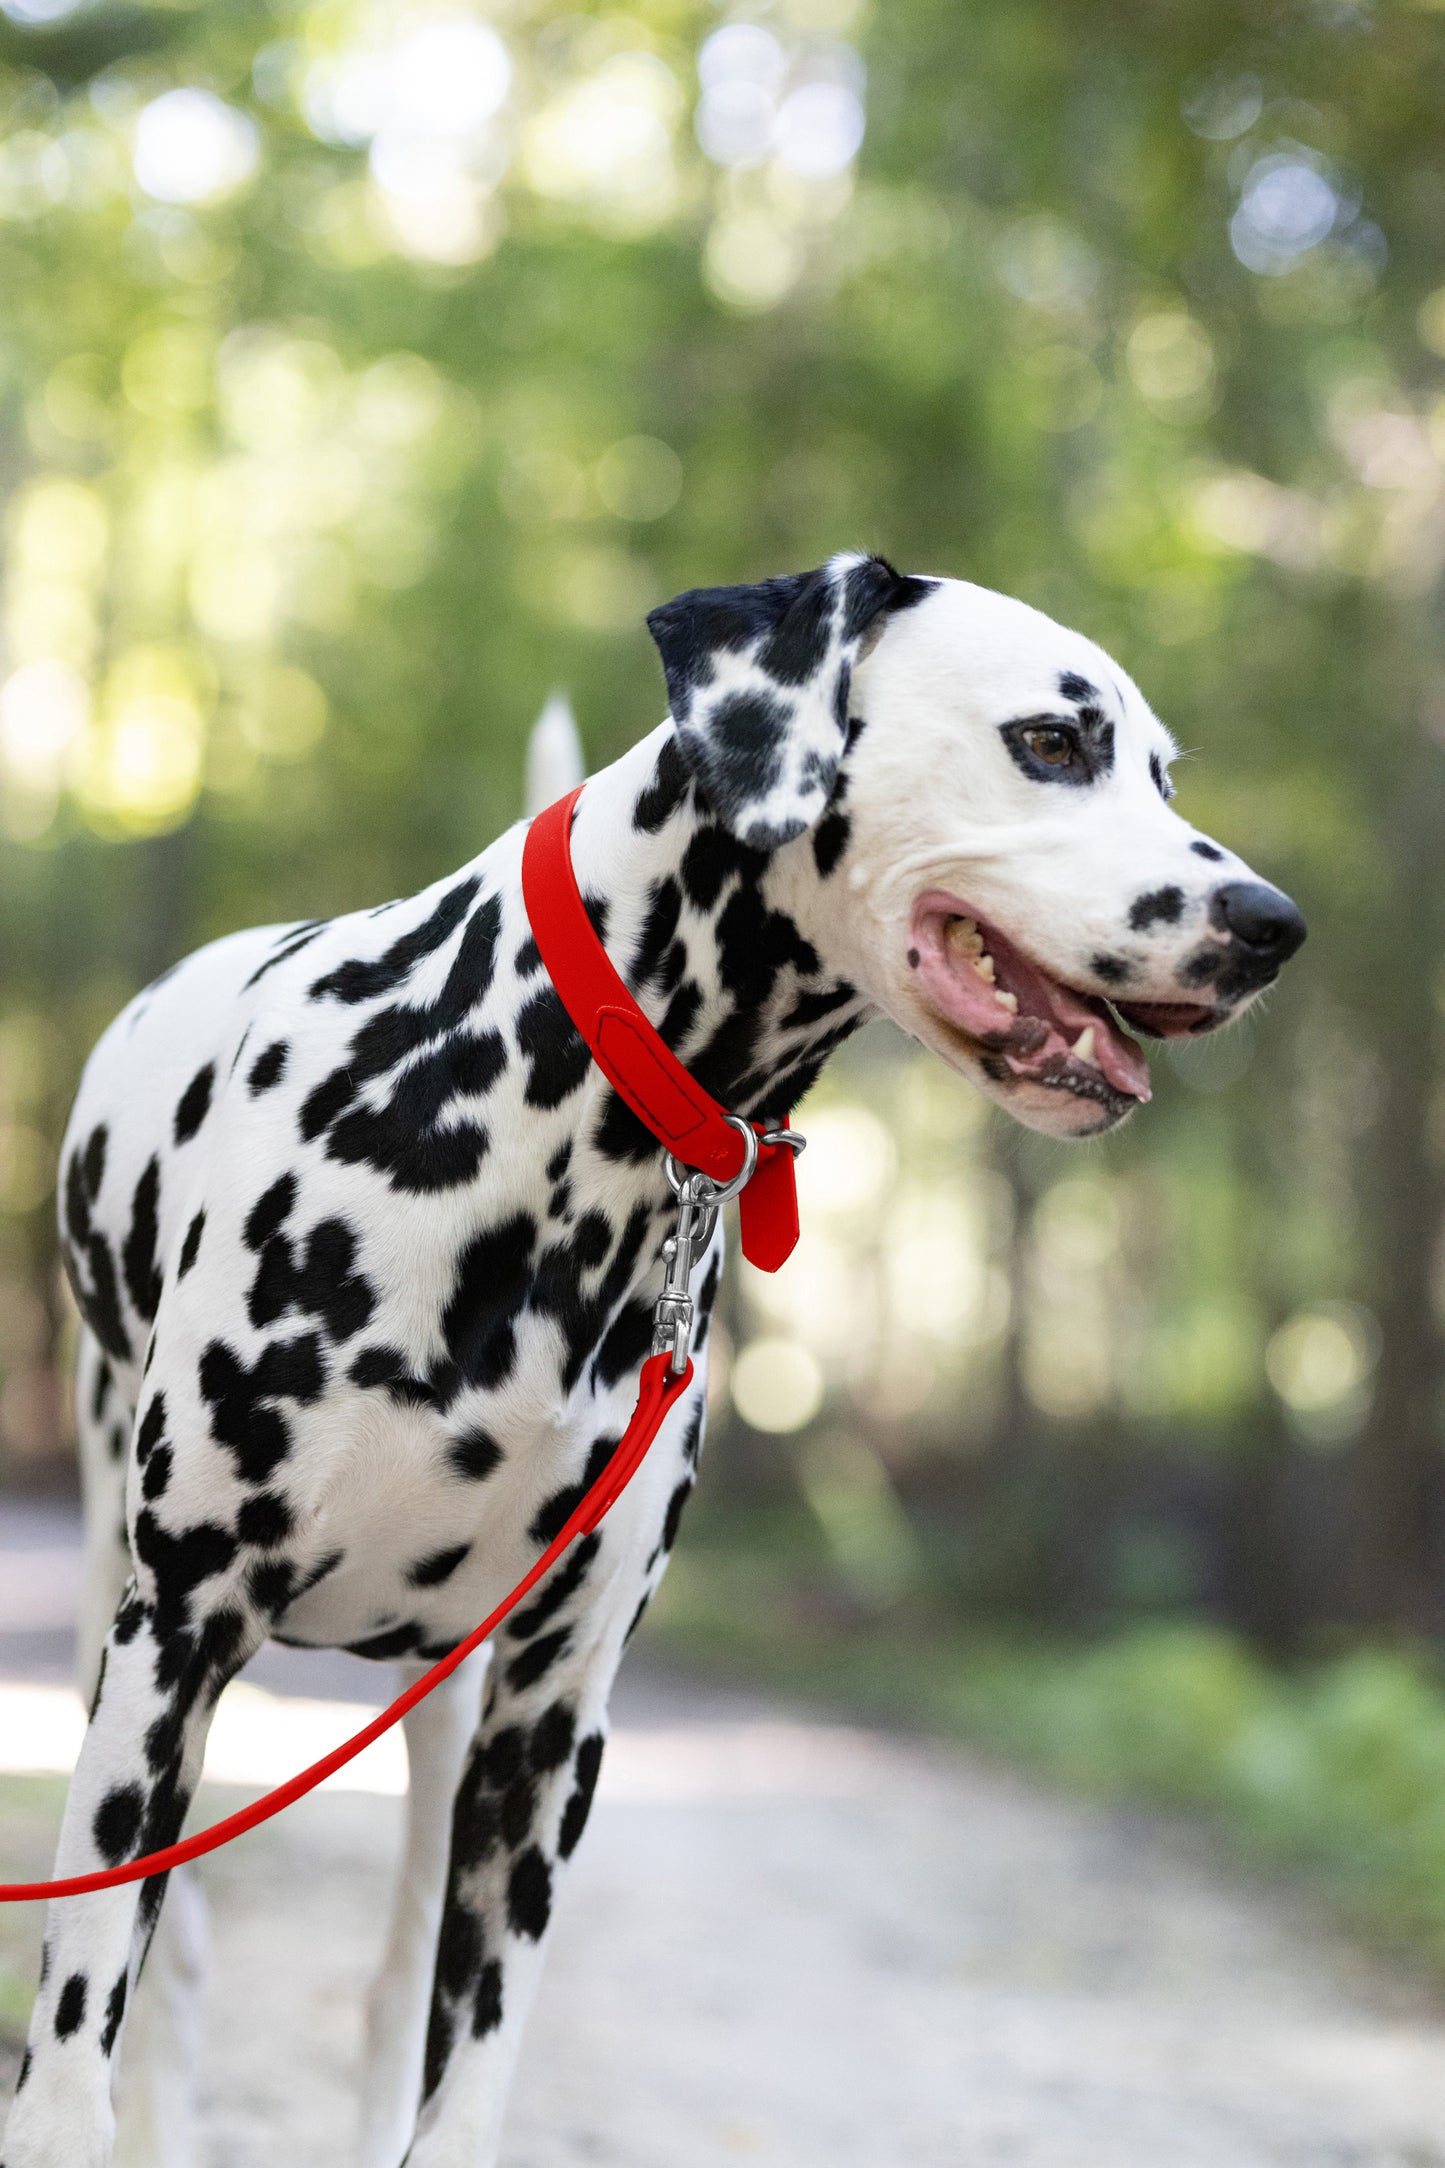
993	858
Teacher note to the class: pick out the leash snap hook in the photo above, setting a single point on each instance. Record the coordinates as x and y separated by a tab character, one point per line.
673	1314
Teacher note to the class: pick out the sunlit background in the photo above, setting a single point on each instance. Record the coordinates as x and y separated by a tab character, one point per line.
368	370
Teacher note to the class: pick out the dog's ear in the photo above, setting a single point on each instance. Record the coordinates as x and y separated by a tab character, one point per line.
758	680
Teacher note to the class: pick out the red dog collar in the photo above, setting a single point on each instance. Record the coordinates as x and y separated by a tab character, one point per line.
627	1049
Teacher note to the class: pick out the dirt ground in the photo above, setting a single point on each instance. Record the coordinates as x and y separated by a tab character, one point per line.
786	1944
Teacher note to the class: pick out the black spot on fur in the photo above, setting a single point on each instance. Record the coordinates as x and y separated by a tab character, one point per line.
142	1275
1210	851
70	2009
459	1950
518	1807
388	1367
561	1159
158	1473
242	1416
591	1239
1161	907
830	840
322	1284
528	959
87	1254
271	1210
268	1068
675	1506
403	1138
529	1894
552	1737
117	1822
810	1008
538	1659
1113	970
558	1290
114	2012
487	2008
384	1648
561	1583
438	2048
489	1290
150	1428
1076	688
93	1163
474	1455
190	1248
626	1344
194	1103
1159	778
556	1054
264	1520
550	1519
579	1806
658	930
665	793
271	1586
439	1566
364	981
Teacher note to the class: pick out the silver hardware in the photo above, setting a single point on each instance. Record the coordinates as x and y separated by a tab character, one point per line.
721	1191
699	1199
673	1313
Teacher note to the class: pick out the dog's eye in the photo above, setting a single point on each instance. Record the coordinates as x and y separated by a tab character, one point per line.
1049	751
1055	748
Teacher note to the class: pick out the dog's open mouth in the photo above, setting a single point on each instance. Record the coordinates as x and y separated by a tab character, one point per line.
1030	1024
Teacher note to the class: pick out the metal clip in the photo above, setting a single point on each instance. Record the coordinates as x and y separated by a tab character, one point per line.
673	1312
699	1198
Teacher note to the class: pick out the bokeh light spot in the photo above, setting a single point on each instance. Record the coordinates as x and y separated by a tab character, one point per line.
777	1385
191	147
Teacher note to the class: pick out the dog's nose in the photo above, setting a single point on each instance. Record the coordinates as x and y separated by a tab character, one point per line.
1260	918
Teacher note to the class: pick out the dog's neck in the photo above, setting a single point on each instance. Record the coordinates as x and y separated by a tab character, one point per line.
723	946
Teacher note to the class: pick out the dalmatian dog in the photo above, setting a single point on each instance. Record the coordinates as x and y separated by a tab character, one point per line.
366	1248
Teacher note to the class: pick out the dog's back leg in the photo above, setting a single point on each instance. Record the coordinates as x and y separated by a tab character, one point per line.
155	2087
165	1662
438	1733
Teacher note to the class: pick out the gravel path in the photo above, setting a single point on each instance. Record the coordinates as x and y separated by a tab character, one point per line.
786	1944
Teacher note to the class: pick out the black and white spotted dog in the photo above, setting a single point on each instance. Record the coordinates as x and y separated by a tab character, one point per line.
366	1249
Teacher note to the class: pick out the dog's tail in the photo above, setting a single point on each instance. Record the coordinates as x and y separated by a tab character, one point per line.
555	763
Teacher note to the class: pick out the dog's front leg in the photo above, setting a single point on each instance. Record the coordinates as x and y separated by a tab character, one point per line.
138	1766
520	1808
438	1733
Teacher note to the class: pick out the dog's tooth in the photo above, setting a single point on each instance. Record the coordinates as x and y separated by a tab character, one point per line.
1006	1000
983	965
1083	1047
964	936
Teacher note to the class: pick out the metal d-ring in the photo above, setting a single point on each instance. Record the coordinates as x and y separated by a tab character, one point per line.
720	1192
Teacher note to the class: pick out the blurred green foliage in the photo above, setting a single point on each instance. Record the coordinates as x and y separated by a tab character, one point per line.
369	367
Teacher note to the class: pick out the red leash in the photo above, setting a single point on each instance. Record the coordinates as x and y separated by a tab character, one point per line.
695	1129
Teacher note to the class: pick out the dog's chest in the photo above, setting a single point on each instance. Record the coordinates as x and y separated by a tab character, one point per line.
423	1525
